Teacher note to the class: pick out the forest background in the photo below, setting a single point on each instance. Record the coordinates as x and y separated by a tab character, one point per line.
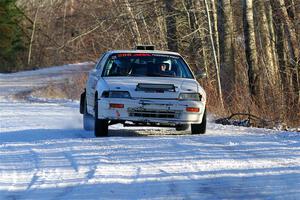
250	49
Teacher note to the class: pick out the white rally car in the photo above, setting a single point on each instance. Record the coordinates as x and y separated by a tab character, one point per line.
143	88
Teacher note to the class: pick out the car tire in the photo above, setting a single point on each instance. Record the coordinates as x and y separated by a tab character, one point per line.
182	127
88	120
199	128
101	125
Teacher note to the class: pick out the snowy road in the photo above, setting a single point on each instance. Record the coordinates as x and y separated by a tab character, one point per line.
45	154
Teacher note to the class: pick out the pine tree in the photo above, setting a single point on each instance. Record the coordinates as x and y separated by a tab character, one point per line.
10	35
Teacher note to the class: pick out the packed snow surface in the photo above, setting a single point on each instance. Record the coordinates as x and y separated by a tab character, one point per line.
45	154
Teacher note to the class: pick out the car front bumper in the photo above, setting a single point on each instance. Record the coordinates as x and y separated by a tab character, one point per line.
151	110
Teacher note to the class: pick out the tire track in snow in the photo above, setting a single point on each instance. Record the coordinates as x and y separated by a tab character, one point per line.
91	173
137	174
16	158
35	176
71	160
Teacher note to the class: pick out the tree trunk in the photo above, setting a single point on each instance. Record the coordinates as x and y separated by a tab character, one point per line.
72	7
293	10
171	25
254	75
293	45
271	27
160	24
147	30
205	37
266	45
134	24
215	28
196	59
296	7
32	36
225	26
215	56
290	28
284	72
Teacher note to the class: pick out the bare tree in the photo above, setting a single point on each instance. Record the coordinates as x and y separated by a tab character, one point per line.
134	24
195	45
215	27
215	55
292	44
171	25
266	45
32	35
254	74
225	29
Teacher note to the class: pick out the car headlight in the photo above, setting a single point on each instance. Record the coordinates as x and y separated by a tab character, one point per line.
190	96
116	94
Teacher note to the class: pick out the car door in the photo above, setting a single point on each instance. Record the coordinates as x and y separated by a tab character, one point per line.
94	76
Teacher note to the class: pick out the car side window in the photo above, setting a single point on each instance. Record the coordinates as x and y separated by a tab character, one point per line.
101	62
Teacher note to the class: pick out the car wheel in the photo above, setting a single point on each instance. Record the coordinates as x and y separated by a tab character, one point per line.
101	125
199	128
88	119
182	127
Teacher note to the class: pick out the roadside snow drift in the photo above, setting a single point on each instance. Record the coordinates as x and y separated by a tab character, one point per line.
45	154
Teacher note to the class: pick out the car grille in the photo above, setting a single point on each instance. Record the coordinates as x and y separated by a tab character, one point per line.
153	113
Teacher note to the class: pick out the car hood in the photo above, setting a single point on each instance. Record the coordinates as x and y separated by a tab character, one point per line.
130	84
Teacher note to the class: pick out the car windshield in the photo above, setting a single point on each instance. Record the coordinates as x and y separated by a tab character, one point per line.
146	64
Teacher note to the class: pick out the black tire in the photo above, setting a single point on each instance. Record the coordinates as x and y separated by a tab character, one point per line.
101	125
88	120
199	128
182	127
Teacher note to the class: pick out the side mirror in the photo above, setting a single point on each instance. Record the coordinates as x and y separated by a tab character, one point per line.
201	75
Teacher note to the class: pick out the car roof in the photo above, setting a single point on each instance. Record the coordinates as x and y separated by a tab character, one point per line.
144	51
